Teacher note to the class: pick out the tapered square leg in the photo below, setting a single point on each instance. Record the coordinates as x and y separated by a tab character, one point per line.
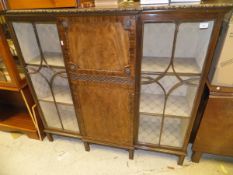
196	156
181	160
50	137
86	146
131	154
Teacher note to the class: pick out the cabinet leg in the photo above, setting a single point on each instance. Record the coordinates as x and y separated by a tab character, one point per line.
50	137
196	156
131	154
181	160
86	146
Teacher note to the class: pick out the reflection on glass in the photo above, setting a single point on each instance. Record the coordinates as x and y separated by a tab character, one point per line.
4	75
16	59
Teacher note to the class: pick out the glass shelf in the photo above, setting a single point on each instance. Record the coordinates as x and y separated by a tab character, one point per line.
152	65
53	59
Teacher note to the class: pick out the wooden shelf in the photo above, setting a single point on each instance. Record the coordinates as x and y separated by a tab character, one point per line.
152	65
153	104
53	60
15	119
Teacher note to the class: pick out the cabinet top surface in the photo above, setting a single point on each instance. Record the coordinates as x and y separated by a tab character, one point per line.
135	6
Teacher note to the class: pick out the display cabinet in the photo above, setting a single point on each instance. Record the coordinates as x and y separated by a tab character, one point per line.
17	109
217	118
43	60
126	78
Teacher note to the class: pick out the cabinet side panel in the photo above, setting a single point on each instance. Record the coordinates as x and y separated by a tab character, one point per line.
215	133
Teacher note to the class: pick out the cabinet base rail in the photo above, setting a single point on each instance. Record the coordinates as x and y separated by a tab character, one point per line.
181	154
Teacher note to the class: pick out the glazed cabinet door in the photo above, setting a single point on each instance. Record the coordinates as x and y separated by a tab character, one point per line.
41	52
100	56
173	58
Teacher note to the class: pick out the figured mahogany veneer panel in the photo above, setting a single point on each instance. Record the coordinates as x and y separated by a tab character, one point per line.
106	112
32	4
101	44
215	134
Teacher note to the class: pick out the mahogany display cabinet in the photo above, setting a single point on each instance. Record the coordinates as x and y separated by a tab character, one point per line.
215	134
17	108
127	78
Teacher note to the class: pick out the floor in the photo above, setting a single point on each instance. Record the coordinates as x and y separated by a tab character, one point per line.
65	156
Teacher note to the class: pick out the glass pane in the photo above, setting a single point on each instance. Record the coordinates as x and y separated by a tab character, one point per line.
174	130
16	59
13	51
4	75
180	95
52	89
168	95
68	117
39	43
27	41
152	96
224	68
191	46
157	46
50	44
149	129
50	114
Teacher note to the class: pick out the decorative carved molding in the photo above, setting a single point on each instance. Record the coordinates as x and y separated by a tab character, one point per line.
101	79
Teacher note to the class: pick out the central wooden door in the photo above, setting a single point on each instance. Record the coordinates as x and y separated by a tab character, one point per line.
100	58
